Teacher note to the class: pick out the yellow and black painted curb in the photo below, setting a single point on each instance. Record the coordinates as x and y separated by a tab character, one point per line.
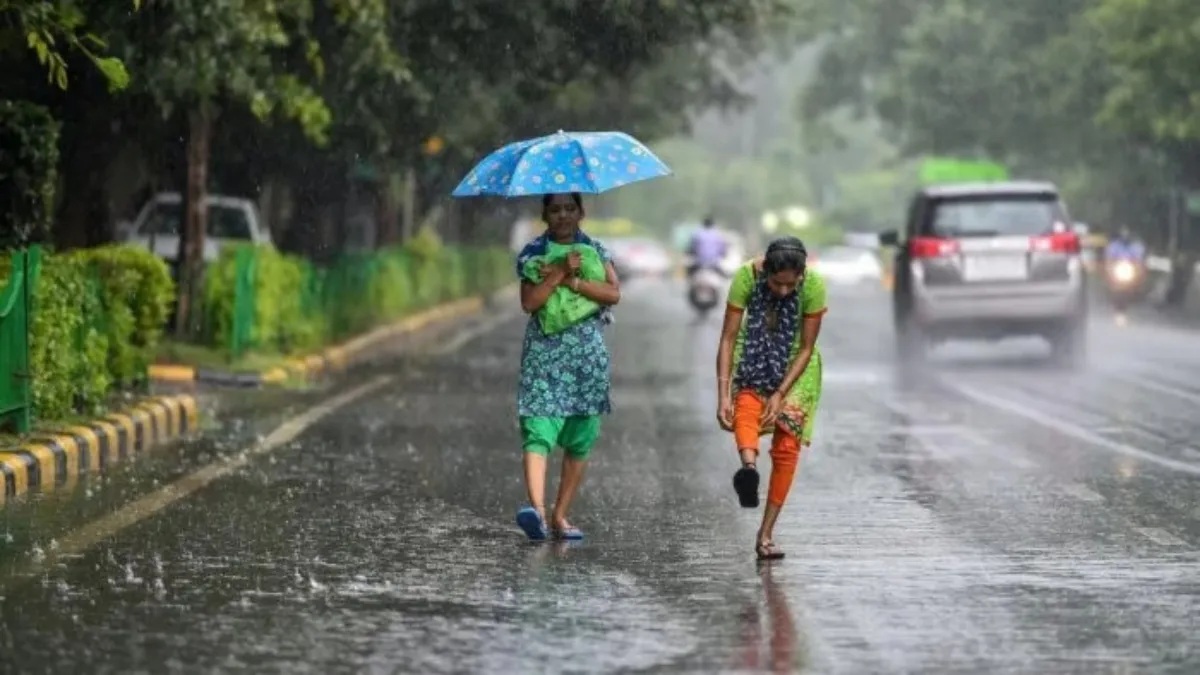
55	460
330	360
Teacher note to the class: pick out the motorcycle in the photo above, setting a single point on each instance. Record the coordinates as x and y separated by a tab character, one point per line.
704	290
1124	280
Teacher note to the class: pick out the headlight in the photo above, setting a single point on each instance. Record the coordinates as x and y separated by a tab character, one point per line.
1124	271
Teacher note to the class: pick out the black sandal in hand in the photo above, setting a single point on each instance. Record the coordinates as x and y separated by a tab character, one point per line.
745	483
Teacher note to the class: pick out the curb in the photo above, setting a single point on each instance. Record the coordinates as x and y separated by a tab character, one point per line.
331	359
55	460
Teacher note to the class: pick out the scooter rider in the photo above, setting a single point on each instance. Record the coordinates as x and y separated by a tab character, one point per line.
1124	264
707	248
1125	246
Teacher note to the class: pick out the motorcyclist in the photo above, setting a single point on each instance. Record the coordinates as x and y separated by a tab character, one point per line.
707	248
1124	287
1125	246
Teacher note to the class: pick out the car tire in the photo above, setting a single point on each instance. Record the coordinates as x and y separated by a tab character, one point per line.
1068	345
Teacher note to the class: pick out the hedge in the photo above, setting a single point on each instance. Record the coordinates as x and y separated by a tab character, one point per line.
98	318
299	307
100	313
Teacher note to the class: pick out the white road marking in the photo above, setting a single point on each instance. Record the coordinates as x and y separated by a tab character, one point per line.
1072	430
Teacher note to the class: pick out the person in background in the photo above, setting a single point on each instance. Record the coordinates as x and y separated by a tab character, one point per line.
1125	246
769	372
707	247
565	379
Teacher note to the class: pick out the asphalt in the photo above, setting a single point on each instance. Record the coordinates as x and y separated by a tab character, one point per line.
987	512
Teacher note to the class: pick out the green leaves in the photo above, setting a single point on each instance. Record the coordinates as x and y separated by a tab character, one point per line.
1153	49
52	28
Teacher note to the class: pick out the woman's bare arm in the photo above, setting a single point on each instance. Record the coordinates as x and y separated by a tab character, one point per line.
534	296
607	292
729	331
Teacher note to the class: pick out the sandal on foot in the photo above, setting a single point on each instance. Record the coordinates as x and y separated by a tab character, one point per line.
745	483
767	550
568	533
532	523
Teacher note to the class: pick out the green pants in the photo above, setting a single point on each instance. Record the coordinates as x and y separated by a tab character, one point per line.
575	435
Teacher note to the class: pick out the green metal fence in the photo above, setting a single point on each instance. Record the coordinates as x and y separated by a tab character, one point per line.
359	291
16	310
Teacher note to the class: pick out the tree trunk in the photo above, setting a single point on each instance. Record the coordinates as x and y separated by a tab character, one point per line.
195	219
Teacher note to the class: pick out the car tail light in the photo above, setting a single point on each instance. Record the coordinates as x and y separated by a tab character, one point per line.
932	247
1061	242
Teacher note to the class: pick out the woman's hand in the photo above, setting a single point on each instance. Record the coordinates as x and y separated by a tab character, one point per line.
554	275
574	263
725	412
771	409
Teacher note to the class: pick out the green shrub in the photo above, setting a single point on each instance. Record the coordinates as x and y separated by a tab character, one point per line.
220	280
425	251
390	287
281	298
68	348
299	307
136	295
281	322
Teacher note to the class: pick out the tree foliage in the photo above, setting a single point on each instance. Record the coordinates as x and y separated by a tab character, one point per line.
47	27
1097	94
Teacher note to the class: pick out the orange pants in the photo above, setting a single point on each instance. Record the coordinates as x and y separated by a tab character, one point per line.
785	447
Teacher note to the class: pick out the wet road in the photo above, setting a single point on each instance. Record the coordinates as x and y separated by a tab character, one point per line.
995	515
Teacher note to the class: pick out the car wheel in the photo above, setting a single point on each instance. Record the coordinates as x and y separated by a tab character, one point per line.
1068	345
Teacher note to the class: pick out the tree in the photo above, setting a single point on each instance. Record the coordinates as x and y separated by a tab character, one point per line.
195	55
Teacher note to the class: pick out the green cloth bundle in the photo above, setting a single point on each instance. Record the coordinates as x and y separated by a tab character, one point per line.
565	308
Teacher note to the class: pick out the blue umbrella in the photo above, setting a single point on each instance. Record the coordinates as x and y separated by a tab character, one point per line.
588	161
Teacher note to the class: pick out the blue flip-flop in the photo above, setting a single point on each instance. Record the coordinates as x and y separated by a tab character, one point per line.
570	534
531	523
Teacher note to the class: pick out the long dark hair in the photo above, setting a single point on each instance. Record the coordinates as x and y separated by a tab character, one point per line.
786	254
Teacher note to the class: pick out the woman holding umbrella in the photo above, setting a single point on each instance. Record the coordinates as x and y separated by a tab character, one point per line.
769	372
564	385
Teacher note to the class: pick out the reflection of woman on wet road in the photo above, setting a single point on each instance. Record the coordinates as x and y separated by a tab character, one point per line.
564	386
769	372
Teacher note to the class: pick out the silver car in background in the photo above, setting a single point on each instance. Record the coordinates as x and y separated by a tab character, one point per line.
989	261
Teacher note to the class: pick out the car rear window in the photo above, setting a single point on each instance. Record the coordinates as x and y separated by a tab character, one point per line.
992	216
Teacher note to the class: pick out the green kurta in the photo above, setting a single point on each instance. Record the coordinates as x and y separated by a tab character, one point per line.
801	401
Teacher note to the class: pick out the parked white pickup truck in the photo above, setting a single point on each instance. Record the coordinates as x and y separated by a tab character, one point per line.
230	220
